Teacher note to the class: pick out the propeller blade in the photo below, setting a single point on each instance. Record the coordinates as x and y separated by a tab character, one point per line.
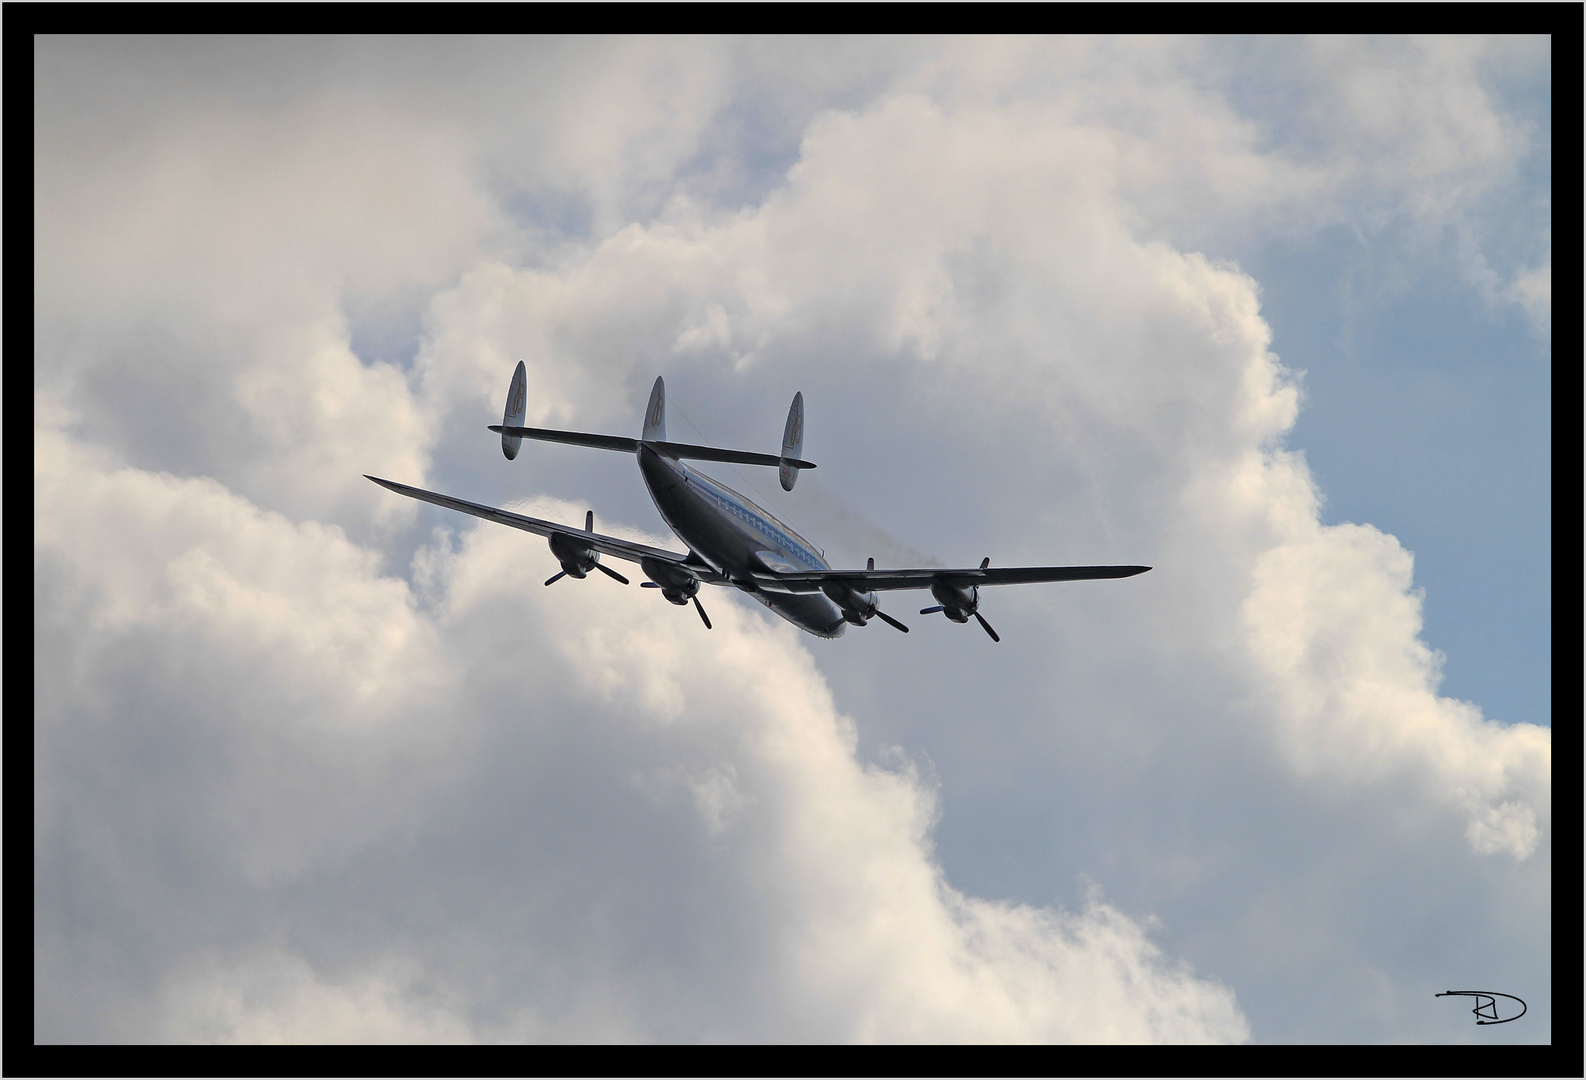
870	564
985	562
609	572
930	610
701	609
987	626
556	577
589	523
890	621
648	585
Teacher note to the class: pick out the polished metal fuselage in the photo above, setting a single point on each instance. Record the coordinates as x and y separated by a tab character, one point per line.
738	538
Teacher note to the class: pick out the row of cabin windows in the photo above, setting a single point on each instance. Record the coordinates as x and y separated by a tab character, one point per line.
764	527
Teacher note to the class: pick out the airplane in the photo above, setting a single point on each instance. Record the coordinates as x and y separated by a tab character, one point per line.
732	541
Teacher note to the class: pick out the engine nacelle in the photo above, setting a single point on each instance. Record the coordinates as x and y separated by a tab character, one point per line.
676	584
857	607
577	559
957	604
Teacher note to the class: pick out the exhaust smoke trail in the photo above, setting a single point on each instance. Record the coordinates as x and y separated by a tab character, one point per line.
852	536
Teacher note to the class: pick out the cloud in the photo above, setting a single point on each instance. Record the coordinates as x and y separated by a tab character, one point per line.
196	283
311	768
275	998
1533	291
1334	623
317	721
277	640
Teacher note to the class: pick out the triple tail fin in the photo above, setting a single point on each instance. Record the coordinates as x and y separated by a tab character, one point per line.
792	443
654	435
655	414
517	405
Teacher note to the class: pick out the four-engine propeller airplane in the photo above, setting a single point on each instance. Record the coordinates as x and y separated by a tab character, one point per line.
731	540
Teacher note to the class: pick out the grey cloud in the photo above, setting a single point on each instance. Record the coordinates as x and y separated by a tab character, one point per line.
616	831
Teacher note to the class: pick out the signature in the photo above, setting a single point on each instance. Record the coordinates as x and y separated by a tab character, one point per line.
1487	1005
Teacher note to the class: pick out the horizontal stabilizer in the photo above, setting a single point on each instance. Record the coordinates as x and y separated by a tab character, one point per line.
711	453
576	438
666	449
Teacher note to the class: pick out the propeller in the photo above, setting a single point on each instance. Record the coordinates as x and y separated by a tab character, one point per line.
984	625
589	527
870	564
677	597
572	554
609	572
890	621
965	604
987	626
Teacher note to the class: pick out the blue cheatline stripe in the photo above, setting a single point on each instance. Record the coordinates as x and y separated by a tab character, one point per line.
764	527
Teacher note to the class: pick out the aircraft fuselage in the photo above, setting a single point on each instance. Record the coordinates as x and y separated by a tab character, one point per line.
738	538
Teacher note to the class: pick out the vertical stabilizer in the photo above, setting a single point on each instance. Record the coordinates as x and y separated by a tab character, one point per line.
655	415
517	395
792	442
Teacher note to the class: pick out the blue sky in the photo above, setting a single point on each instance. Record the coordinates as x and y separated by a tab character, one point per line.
1431	416
1429	402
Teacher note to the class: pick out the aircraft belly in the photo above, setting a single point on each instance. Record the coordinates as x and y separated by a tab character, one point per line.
807	611
700	525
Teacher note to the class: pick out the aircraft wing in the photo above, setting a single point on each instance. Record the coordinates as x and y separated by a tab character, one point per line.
606	545
803	581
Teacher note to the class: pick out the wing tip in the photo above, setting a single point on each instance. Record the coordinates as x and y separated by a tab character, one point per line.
389	485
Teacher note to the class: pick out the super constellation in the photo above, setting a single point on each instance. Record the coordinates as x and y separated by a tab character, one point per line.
733	542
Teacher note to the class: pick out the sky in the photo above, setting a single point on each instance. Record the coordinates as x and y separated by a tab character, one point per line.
315	763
